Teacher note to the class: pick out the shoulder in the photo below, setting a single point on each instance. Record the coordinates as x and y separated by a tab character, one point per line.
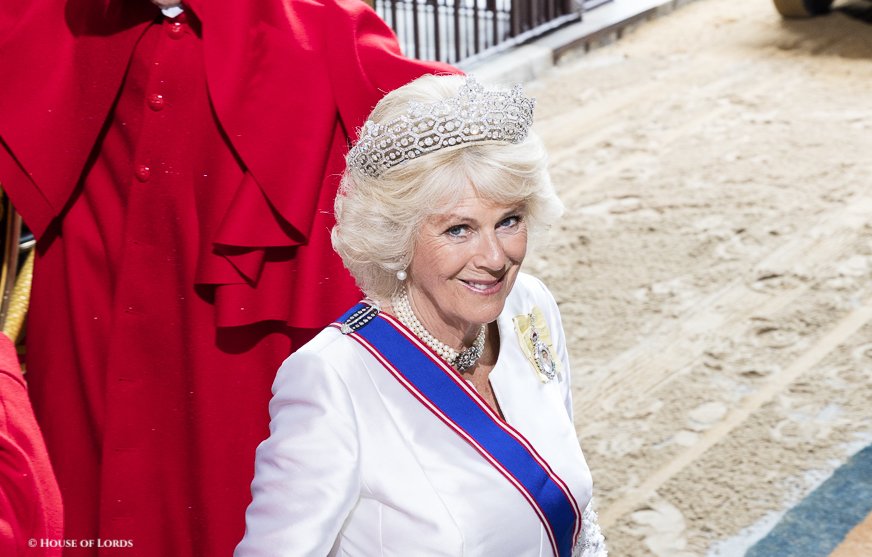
329	349
531	299
527	293
329	373
343	9
330	357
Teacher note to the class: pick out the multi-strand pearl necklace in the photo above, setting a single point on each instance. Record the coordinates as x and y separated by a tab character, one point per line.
462	360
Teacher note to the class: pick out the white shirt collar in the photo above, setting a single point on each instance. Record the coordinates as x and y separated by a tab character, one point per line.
172	11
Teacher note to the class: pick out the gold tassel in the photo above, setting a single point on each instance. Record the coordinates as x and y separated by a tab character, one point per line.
20	300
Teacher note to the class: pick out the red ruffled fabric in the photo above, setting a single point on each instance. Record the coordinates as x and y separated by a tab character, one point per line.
290	83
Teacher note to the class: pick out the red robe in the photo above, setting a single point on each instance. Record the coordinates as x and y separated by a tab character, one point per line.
30	504
179	175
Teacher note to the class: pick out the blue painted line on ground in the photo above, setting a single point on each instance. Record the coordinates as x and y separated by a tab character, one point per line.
815	526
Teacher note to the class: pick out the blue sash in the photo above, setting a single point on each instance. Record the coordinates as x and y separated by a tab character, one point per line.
440	388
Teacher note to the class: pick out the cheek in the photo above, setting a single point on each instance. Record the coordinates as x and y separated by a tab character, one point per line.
516	247
451	261
436	259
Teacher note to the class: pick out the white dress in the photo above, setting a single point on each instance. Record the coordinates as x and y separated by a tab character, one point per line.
357	466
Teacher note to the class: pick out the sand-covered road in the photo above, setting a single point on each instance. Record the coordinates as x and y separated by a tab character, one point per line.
714	266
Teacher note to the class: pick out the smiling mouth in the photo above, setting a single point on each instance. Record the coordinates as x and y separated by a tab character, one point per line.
484	287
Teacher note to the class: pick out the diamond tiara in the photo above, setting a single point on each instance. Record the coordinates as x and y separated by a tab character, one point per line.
473	115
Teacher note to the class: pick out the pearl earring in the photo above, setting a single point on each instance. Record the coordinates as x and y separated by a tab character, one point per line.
401	275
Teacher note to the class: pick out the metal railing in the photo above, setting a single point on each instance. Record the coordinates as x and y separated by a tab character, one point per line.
462	30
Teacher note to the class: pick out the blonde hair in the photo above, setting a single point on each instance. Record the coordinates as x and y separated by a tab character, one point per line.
377	219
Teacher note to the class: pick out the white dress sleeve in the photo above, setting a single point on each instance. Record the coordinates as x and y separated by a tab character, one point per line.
591	542
307	477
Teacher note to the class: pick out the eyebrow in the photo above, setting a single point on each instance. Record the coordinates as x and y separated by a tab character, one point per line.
447	217
443	217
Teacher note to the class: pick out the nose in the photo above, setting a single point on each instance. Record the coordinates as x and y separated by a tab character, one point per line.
491	254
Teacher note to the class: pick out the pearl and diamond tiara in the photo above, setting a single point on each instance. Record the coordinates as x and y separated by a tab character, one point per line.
473	115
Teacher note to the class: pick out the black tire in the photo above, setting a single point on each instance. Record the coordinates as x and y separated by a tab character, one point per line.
802	8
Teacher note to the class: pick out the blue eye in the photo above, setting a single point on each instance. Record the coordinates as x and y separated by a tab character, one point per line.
457	231
510	222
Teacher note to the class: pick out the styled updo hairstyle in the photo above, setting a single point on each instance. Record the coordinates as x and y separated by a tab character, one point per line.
378	219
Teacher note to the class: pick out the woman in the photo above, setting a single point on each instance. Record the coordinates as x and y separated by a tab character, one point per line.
435	418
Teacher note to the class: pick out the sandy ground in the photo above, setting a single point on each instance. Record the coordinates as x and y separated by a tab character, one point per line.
714	266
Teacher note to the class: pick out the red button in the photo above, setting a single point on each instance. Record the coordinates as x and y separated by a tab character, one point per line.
143	173
156	102
176	30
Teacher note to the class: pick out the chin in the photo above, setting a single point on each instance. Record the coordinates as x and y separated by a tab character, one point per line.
486	311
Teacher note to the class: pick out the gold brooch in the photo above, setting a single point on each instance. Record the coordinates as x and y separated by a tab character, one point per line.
535	339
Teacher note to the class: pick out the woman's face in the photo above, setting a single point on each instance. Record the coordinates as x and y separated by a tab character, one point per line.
464	264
